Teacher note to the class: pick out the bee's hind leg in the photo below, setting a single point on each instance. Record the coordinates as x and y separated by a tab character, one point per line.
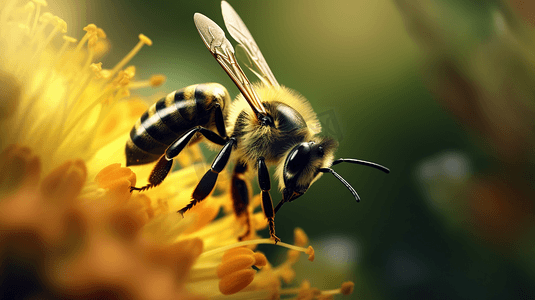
162	168
157	175
207	183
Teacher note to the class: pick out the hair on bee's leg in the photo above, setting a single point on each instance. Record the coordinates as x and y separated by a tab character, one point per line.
267	204
157	175
207	183
240	192
162	168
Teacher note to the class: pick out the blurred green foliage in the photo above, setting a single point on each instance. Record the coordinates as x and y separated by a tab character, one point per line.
454	219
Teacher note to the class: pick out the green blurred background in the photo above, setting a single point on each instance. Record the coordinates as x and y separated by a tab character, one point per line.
408	84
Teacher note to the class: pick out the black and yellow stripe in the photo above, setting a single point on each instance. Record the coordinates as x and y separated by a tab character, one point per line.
170	117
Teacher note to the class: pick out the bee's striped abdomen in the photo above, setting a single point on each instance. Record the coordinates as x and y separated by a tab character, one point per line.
172	116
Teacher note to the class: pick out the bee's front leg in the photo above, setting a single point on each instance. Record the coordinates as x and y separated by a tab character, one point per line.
267	204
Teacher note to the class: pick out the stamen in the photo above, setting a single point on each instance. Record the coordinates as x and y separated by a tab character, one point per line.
60	25
143	40
309	250
236	252
90	55
235	264
130	71
345	289
45	19
90	30
157	80
102	47
76	120
305	291
117	180
96	69
29	8
38	3
154	81
236	281
260	294
100	33
260	260
67	41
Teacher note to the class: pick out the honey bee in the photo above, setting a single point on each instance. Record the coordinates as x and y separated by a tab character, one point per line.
267	124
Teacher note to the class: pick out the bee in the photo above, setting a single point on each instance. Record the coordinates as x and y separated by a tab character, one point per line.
267	124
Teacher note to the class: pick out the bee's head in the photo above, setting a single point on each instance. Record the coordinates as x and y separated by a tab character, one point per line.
303	164
307	161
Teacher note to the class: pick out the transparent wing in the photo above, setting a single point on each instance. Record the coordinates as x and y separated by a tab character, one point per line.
241	34
214	39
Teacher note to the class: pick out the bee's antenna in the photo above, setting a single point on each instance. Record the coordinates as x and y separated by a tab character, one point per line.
348	186
362	162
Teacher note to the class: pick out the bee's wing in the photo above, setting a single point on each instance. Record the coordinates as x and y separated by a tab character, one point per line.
214	39
241	34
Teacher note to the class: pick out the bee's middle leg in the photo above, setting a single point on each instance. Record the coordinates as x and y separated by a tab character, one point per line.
240	191
207	183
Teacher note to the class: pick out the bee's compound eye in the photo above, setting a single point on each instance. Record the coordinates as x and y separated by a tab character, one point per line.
298	157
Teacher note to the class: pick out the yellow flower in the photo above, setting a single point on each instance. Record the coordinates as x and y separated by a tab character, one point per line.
70	227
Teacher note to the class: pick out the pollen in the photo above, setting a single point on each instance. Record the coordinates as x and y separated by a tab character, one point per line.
157	80
90	28
238	251
236	281
347	288
235	269
310	252
260	260
307	292
100	33
145	39
117	181
235	264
